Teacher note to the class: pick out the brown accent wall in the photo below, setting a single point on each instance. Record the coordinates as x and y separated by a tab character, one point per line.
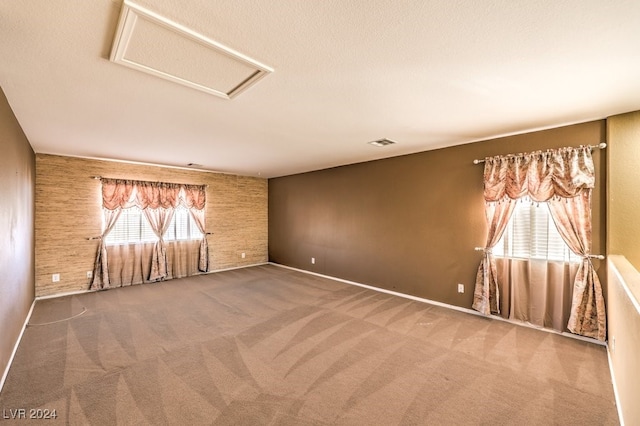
68	210
17	185
409	223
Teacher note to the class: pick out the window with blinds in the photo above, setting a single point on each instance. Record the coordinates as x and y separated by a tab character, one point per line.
532	234
133	227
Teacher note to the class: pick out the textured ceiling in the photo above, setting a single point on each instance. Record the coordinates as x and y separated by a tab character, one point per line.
425	73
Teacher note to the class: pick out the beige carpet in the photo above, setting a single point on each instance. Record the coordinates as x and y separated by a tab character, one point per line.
267	345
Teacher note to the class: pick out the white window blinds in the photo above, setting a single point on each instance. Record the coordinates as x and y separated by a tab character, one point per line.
132	227
531	234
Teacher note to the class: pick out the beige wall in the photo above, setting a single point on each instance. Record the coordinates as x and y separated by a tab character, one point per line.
624	335
623	235
624	186
68	211
17	181
409	223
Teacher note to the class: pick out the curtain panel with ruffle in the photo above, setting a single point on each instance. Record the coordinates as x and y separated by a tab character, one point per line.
158	201
563	178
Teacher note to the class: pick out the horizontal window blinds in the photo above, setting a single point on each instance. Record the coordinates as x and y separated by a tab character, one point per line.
531	234
133	227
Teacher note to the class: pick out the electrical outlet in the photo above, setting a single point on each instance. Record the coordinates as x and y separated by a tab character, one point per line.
460	288
89	274
55	278
313	260
243	255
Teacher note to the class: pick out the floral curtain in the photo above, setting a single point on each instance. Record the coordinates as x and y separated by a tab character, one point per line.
100	268
572	217
159	219
486	298
158	201
564	178
195	197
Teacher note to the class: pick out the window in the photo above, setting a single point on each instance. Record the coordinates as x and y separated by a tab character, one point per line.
182	226
531	234
132	227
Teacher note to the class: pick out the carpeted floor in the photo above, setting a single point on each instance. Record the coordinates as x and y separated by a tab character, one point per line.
270	346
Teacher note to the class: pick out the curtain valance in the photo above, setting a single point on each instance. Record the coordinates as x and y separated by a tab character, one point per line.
541	175
123	193
564	178
158	201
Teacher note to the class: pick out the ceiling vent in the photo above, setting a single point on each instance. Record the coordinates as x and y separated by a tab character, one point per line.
148	42
382	142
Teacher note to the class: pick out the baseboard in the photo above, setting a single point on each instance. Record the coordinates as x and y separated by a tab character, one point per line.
72	293
68	293
15	347
445	305
237	267
383	290
615	387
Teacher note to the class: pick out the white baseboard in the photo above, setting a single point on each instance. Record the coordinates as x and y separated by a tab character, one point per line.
615	387
72	293
68	293
445	305
15	347
383	290
236	267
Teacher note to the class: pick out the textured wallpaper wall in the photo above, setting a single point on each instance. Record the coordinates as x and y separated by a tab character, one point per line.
68	211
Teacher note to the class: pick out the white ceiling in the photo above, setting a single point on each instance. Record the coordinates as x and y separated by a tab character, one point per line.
426	73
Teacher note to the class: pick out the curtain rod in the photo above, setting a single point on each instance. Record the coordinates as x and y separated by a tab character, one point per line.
136	180
592	256
99	237
601	145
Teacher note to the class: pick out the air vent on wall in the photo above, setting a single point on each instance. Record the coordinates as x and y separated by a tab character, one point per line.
382	142
156	45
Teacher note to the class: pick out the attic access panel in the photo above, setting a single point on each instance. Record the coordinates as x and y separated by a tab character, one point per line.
150	43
